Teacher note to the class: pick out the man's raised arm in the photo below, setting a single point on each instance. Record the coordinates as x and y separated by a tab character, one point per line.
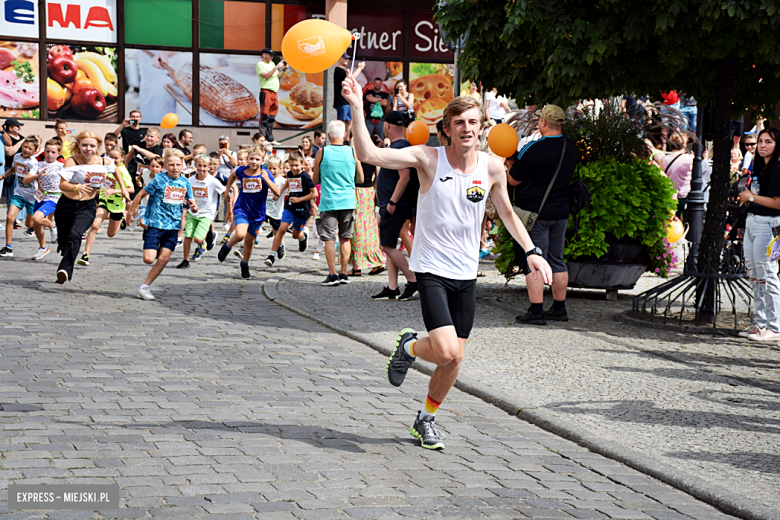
367	151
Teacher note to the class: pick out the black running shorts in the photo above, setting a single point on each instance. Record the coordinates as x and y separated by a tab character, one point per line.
445	302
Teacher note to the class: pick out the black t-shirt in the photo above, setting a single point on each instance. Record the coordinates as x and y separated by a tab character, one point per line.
131	136
339	75
368	104
769	186
298	186
369	170
184	150
141	159
9	159
387	179
535	167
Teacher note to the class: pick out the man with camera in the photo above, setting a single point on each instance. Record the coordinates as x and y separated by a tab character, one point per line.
268	74
131	133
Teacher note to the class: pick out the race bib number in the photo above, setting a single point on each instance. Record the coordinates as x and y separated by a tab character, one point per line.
109	183
174	195
296	186
20	169
95	179
252	185
39	195
200	192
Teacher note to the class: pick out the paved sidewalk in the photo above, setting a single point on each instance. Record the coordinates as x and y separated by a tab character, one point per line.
214	402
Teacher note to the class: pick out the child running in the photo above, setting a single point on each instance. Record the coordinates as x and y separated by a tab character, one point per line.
111	202
297	208
145	176
242	160
254	181
206	190
275	205
24	166
167	193
47	194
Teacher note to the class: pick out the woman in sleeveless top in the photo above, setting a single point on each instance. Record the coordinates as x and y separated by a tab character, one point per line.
365	237
403	101
77	207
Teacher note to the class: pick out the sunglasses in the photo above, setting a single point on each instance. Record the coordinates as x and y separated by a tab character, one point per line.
750	144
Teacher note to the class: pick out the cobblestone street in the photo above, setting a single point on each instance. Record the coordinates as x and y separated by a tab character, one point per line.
214	402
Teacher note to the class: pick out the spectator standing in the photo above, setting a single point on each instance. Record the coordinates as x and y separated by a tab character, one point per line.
365	239
319	141
471	92
343	112
394	201
750	153
306	147
678	166
497	106
403	102
534	172
689	109
68	146
376	102
268	74
185	140
131	133
169	141
763	216
12	141
336	169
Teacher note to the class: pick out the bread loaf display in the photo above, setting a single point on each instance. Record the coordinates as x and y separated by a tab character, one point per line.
220	95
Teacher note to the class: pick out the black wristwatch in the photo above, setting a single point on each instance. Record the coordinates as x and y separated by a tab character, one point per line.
534	251
391	202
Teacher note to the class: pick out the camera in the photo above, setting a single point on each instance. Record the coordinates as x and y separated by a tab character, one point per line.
133	121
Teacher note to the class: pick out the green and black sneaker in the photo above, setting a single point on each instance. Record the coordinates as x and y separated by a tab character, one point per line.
425	431
399	361
84	260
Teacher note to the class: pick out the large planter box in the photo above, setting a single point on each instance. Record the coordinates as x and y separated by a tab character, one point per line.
592	275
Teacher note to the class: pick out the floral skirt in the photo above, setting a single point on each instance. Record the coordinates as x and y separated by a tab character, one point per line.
365	236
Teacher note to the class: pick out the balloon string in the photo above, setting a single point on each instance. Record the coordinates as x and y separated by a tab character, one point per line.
355	37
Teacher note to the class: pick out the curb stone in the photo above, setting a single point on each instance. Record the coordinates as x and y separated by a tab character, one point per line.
723	499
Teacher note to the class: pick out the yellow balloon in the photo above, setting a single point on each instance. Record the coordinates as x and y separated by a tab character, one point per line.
169	120
503	140
674	230
314	45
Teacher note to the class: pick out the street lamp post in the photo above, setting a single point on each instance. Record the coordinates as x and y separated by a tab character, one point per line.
696	197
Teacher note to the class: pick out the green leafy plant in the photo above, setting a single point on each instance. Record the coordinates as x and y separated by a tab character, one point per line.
629	201
24	71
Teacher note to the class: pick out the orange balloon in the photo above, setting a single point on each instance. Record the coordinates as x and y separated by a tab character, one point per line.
674	230
314	45
169	121
417	133
503	140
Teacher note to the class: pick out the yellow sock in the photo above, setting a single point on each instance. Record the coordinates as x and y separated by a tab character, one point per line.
431	406
411	348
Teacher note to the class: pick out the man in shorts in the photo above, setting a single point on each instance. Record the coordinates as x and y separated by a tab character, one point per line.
335	168
454	186
268	74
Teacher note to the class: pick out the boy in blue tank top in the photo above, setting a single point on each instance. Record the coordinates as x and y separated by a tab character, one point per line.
254	181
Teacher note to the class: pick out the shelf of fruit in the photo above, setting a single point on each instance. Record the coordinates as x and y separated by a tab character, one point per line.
81	85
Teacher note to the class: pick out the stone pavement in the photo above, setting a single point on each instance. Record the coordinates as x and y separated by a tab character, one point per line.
214	402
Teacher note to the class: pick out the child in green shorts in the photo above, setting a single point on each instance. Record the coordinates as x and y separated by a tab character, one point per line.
206	190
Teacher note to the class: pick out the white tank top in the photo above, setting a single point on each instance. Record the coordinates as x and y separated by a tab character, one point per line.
449	221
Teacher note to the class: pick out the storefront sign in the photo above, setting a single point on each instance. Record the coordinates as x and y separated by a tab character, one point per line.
19	18
81	20
425	41
381	34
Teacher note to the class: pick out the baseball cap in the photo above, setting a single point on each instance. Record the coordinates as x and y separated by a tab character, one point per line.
267	51
394	118
552	114
346	56
12	121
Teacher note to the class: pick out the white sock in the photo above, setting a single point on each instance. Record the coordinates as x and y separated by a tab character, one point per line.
424	414
303	237
408	346
273	254
143	286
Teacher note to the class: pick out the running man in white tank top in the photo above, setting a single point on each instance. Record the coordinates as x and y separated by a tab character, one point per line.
454	184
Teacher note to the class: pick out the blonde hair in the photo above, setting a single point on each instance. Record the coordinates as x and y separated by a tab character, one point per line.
244	152
459	105
203	157
173	151
257	150
154	130
275	160
86	134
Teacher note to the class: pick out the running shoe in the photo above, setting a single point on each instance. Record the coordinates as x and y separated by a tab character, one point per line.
245	271
6	252
123	225
343	278
281	251
29	232
553	315
529	318
185	264
226	238
84	236
270	235
53	234
179	240
315	256
399	361
17	225
210	239
62	276
256	240
484	253
223	252
387	294
239	252
304	242
144	293
270	260
84	260
409	291
332	279
42	251
753	329
424	430
766	335
198	253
